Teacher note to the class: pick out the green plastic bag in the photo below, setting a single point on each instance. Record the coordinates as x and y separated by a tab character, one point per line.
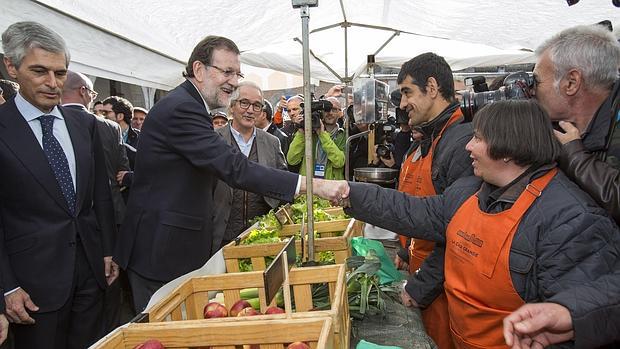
367	345
388	272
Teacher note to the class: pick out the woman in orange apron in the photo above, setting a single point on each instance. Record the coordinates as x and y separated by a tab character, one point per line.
520	232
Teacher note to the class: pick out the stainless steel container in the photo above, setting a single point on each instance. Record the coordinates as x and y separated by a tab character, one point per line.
378	175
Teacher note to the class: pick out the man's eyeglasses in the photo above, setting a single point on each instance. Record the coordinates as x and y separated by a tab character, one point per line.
93	94
245	104
228	73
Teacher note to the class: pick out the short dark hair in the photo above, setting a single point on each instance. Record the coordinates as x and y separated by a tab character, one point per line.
120	105
203	52
268	109
519	130
427	65
97	103
9	88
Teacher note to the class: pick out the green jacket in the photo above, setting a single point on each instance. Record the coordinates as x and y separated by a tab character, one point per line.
334	169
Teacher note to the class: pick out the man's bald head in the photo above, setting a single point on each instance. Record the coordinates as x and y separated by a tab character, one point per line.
78	88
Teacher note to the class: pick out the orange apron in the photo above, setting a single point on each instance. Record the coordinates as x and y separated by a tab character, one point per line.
416	179
478	282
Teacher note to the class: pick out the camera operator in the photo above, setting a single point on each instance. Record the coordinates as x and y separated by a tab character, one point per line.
576	83
433	162
295	110
328	141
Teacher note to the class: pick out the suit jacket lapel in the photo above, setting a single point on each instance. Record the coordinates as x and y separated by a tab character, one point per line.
80	138
261	148
18	137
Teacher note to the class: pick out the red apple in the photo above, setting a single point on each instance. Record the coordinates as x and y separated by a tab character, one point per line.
214	310
238	306
274	310
249	311
150	344
298	345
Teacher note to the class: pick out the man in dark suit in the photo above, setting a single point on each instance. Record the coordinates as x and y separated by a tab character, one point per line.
120	110
78	93
237	207
168	229
57	215
264	122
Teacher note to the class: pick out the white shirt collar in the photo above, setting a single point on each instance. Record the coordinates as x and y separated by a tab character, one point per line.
30	112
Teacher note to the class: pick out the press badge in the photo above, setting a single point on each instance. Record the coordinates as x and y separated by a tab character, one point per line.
319	171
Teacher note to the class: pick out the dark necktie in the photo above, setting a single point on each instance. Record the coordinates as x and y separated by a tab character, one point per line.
57	160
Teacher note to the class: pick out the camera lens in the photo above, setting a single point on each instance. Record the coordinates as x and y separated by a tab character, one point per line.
383	151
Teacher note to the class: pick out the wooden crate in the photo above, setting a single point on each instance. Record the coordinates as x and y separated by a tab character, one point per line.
265	334
188	300
340	245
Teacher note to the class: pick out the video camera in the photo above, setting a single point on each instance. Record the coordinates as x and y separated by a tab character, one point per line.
385	128
384	132
516	86
318	109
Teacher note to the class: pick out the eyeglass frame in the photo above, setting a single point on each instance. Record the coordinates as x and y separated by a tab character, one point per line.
93	94
254	105
228	73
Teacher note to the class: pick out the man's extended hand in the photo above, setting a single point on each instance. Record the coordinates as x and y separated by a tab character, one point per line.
334	191
111	269
4	328
538	325
17	303
571	132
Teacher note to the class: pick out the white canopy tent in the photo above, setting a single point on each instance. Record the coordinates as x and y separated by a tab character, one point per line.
146	42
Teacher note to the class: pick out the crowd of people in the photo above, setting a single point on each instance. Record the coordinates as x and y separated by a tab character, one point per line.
511	224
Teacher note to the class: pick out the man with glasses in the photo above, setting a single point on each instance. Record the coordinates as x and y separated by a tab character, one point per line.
78	94
236	206
576	82
168	230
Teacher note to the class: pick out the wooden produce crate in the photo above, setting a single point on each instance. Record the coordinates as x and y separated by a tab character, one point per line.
265	334
188	300
340	245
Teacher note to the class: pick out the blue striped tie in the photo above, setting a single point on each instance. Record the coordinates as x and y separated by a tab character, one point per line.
57	160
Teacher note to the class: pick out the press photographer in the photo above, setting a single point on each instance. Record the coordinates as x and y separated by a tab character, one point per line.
393	137
328	140
516	86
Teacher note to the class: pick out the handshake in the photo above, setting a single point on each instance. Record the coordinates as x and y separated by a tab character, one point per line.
336	191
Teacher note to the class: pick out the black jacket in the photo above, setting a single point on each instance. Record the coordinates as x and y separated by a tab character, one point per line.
594	165
38	233
284	140
168	228
563	241
115	158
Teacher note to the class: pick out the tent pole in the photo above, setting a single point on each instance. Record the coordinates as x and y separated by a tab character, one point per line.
347	146
309	149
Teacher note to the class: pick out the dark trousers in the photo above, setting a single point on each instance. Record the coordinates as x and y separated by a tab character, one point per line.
77	324
142	289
